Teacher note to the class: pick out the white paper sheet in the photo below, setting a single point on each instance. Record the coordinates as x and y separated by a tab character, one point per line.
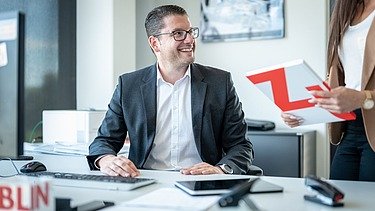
168	199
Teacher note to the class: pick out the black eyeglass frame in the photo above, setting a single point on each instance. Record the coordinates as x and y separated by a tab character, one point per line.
194	32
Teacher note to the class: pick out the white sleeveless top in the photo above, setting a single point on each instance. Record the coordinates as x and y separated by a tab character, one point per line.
351	52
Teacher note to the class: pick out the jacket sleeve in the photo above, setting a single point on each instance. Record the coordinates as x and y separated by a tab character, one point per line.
237	148
112	132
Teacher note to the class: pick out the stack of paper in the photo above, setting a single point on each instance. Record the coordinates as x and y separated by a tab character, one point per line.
168	199
65	148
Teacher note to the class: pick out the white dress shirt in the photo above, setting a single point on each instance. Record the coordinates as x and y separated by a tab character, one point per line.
174	146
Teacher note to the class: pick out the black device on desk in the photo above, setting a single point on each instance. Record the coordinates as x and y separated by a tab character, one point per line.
327	193
222	186
63	204
256	124
236	193
34	166
239	192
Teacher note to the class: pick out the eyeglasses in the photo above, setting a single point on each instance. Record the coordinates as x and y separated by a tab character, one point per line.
180	35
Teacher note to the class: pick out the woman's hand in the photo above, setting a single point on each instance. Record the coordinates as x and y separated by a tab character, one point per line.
338	100
291	120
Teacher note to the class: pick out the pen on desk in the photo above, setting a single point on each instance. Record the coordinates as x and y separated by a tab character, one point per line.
236	194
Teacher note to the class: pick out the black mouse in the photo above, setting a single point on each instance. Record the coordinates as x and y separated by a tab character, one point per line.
34	166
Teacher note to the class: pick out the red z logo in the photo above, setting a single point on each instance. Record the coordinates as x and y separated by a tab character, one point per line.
280	91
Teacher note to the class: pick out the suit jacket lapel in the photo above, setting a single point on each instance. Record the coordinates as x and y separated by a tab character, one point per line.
368	60
148	91
198	93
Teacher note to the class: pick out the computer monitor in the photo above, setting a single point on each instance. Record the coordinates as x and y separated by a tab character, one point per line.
12	85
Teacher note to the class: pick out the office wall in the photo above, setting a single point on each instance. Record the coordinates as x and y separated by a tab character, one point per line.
105	48
305	37
49	59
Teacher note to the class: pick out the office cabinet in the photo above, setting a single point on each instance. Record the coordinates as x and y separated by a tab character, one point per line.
287	153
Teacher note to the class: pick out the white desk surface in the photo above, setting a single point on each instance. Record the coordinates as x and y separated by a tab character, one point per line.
358	195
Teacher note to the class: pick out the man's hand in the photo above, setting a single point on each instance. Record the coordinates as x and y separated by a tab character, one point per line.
202	168
118	166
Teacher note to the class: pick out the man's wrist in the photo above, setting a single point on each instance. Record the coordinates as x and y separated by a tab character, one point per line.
97	161
226	169
219	170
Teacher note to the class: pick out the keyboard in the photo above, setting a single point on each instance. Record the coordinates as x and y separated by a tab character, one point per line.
93	181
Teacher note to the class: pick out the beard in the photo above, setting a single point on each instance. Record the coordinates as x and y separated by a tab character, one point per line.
179	59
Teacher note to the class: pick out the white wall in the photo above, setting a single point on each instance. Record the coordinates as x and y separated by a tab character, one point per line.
105	48
306	32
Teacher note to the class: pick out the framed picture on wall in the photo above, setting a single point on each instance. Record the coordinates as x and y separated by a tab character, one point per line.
235	20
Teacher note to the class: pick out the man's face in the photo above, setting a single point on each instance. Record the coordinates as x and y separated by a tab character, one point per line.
177	54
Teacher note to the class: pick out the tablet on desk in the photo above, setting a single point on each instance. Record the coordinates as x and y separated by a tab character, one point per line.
213	187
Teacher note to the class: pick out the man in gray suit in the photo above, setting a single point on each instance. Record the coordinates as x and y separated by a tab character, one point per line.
179	115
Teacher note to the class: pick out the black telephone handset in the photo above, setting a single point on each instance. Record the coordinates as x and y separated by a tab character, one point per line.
327	193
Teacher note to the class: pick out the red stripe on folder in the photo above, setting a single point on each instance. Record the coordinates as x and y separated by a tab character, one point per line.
279	89
280	92
345	116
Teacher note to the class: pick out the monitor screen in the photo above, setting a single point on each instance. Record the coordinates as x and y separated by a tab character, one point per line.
11	84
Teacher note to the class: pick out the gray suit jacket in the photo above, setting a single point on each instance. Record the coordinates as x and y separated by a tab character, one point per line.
218	120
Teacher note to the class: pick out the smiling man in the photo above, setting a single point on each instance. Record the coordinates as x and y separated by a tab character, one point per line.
179	115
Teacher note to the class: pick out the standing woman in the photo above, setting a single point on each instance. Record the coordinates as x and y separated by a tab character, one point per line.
351	62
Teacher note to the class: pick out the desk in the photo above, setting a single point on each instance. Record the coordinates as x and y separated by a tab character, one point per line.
358	195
